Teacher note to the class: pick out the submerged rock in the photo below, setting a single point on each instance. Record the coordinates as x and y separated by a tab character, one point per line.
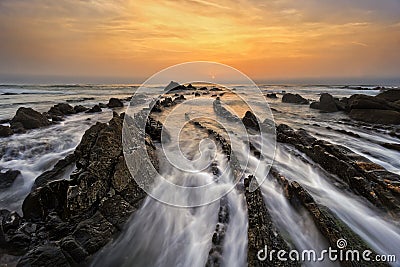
294	98
7	178
5	131
261	230
26	119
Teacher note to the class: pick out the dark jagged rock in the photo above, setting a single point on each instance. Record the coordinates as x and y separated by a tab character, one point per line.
391	95
80	108
5	131
94	109
7	178
26	119
272	95
326	103
45	255
197	94
261	230
370	102
364	177
56	173
39	203
115	103
82	214
12	240
294	98
172	86
376	116
61	110
93	233
73	251
250	121
190	86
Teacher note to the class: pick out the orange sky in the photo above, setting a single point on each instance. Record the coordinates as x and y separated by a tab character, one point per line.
277	39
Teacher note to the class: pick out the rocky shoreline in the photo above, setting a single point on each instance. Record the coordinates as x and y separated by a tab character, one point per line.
66	221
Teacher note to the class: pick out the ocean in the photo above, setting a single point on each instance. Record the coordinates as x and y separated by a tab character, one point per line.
38	150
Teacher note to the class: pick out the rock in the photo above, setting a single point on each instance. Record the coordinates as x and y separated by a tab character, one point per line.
80	108
93	233
327	103
375	116
102	105
5	131
315	105
40	202
391	95
8	178
79	216
190	86
94	109
61	110
197	94
45	255
368	102
116	210
223	112
332	228
261	231
28	119
250	121
54	174
272	95
294	98
172	86
115	103
72	250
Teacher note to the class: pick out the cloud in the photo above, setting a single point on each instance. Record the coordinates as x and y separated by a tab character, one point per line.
299	38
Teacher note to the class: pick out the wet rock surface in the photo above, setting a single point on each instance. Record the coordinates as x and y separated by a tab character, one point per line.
26	119
364	177
115	103
7	178
66	221
261	231
250	121
327	104
5	131
294	98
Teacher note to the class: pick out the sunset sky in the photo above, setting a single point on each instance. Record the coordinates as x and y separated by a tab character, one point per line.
131	40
